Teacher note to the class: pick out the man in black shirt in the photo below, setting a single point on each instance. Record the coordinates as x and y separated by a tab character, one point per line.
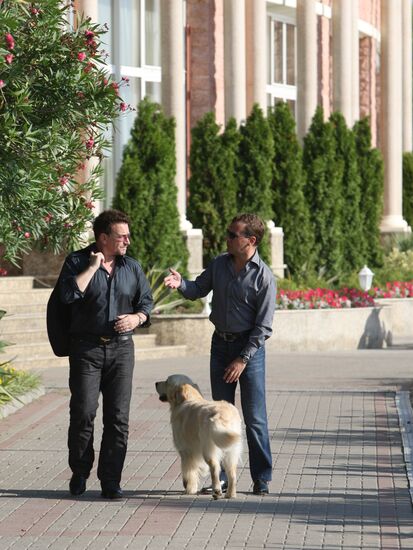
109	297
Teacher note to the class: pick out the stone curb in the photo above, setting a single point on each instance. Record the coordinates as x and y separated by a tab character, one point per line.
26	398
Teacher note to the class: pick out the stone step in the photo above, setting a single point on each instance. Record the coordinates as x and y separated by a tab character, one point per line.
37	349
142	354
15	322
25	308
29	336
10	299
16	283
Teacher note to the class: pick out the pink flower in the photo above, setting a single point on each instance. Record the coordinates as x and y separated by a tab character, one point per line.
48	217
63	180
81	56
2	84
89	204
27	235
90	143
123	107
34	10
125	78
9	58
88	67
89	34
3	272
9	41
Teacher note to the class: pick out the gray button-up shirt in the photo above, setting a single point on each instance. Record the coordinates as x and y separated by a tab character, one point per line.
241	301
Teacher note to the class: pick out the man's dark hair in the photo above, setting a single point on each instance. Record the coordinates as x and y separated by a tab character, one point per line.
254	225
103	223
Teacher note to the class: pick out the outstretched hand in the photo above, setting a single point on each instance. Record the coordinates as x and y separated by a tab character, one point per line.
174	280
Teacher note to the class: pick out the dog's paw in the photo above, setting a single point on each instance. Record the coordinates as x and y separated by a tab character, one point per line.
216	494
233	494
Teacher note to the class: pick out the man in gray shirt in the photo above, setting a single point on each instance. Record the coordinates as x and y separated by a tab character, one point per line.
242	310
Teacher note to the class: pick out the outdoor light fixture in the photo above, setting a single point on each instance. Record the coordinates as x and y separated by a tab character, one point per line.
365	278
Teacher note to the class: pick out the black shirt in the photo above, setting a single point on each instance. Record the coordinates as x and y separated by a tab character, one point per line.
95	310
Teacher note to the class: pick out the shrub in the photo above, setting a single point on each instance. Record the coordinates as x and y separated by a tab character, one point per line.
289	205
408	187
56	101
354	248
213	187
324	172
146	190
254	171
370	166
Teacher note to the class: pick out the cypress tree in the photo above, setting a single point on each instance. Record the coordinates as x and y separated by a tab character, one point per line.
146	190
354	247
370	166
255	170
288	180
408	187
213	188
323	176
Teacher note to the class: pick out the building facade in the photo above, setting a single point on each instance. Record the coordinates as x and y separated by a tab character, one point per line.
195	56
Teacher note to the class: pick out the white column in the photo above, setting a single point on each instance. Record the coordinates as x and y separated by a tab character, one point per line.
342	58
173	101
256	11
407	75
234	59
306	64
391	115
355	84
173	89
89	8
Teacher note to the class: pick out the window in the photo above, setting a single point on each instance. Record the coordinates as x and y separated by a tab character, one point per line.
133	43
282	66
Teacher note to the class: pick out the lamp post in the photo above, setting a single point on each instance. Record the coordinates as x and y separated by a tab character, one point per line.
365	278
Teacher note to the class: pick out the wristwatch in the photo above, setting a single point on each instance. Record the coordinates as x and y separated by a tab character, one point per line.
245	358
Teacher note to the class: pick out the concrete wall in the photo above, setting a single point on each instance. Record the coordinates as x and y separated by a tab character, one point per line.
303	330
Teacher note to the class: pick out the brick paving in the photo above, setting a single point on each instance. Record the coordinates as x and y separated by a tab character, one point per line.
339	479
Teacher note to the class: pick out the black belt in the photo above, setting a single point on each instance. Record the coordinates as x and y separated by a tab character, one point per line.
102	340
231	336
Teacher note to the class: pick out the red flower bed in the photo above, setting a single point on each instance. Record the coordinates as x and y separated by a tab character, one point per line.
323	298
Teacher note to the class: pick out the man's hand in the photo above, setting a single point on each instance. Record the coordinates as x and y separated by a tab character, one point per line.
126	323
174	280
96	259
234	370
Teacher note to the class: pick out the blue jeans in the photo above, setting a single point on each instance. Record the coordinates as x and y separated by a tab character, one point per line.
252	385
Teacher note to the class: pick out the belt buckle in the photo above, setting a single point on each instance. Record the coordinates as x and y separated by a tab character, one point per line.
104	340
228	337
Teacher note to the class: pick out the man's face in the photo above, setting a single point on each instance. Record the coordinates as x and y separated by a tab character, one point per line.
237	241
118	240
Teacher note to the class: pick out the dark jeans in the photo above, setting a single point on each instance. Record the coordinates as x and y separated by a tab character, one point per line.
108	369
252	385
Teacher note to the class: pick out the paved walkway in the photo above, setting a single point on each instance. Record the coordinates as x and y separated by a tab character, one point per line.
339	477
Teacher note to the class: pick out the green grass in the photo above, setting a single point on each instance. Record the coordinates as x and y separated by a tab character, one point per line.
15	383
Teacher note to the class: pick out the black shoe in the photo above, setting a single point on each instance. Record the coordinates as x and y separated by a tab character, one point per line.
111	491
77	485
208	490
260	487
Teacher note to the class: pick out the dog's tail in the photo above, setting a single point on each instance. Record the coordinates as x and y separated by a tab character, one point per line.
225	435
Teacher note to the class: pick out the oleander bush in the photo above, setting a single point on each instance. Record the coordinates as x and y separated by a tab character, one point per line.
14	383
57	99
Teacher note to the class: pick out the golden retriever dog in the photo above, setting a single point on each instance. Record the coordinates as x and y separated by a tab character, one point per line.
204	433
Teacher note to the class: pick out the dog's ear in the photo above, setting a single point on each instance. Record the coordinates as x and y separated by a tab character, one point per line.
182	393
